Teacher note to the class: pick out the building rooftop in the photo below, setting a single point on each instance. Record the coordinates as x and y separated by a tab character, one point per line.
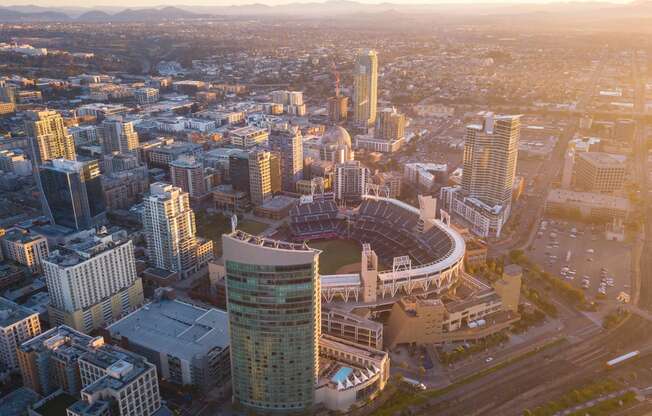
80	250
55	405
564	196
121	367
604	160
17	235
248	131
279	202
63	341
17	402
98	408
11	313
174	327
268	242
186	161
65	165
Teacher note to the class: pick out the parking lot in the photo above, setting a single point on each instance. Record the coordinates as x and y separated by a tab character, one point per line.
580	254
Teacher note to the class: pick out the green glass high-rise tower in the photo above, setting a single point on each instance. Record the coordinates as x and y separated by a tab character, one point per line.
273	299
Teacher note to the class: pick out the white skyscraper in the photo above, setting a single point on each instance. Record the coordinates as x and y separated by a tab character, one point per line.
93	281
351	179
490	153
365	88
169	225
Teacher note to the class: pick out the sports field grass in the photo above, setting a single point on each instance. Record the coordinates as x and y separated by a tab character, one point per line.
213	226
336	253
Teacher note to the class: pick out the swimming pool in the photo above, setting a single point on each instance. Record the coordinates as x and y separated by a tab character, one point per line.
341	375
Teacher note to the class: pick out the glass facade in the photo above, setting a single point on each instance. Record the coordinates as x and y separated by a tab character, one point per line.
274	324
75	198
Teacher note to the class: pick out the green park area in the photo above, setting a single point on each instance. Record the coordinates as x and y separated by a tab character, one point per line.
336	254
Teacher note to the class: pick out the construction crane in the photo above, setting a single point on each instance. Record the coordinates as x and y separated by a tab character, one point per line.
337	79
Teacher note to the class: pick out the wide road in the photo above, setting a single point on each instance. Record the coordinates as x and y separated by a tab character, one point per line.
533	208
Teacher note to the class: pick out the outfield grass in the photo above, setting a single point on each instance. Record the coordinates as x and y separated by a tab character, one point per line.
212	226
251	226
336	253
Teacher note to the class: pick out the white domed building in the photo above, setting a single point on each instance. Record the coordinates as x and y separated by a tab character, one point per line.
336	145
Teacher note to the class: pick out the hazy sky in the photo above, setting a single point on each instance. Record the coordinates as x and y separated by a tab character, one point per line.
150	3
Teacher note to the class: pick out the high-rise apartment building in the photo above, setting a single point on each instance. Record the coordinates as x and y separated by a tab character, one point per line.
124	188
260	178
275	172
365	88
390	125
292	101
239	171
50	136
289	145
17	325
7	92
73	193
489	160
93	282
338	108
25	248
350	182
248	137
169	225
118	136
274	304
187	173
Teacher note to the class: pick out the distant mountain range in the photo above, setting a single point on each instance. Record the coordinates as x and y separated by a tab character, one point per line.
328	9
33	14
